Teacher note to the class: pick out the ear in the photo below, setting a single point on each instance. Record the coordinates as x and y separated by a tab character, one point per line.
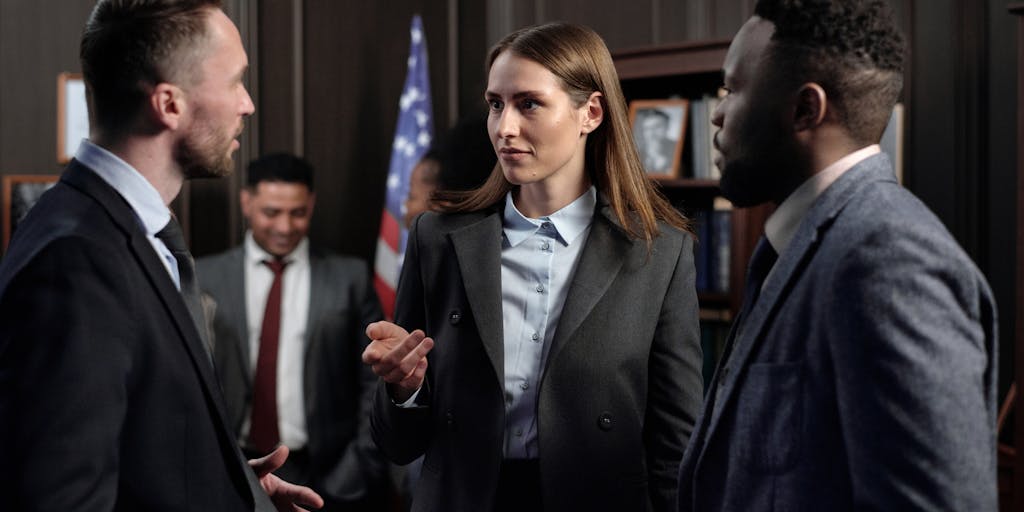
311	202
593	113
245	199
167	105
811	107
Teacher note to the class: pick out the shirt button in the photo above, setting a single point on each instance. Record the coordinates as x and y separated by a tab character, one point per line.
545	225
545	246
524	386
540	288
535	337
519	432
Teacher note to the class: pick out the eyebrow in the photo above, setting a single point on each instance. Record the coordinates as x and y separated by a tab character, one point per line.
518	95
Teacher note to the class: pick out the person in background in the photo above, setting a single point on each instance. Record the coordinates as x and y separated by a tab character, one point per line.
288	335
861	371
108	399
461	160
562	371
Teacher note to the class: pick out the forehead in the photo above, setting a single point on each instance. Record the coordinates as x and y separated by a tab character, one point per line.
267	192
225	51
748	49
511	73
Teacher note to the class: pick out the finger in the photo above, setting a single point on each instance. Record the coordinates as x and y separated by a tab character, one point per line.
270	462
408	363
395	356
415	379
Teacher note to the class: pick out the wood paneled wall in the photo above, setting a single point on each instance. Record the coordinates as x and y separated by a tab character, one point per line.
326	76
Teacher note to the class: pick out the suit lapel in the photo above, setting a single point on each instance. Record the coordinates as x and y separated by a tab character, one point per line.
319	302
602	258
478	250
236	294
790	266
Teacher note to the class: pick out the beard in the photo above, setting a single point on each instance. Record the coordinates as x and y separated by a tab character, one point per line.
768	174
205	152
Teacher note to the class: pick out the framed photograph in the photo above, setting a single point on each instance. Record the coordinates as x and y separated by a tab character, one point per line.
659	128
20	193
72	115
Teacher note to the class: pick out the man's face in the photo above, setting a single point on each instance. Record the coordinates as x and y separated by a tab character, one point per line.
756	135
278	213
217	103
654	127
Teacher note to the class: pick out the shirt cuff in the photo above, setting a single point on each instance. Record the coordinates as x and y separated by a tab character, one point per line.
410	403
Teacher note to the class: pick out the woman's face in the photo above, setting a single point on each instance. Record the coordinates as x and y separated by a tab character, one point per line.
538	133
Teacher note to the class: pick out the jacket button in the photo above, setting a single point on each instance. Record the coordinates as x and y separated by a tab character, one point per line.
455	317
604	421
449	418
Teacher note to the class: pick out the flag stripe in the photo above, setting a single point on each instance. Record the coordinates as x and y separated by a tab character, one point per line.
413	135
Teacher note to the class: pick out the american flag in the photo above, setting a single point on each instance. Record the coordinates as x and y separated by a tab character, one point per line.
412	139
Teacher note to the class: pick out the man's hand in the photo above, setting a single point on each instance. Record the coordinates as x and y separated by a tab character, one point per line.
286	496
397	356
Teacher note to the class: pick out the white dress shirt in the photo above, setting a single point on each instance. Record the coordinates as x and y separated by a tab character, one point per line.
781	226
150	210
291	351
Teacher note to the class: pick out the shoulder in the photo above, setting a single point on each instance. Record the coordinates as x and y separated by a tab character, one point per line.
221	261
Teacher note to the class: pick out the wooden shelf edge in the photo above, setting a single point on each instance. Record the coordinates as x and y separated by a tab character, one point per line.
676	59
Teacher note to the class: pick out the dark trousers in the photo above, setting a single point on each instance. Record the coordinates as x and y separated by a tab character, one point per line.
519	487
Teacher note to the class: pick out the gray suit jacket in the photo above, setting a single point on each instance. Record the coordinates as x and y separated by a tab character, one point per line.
865	375
338	388
622	383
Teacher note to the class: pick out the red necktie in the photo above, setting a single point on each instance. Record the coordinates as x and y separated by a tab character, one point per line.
263	434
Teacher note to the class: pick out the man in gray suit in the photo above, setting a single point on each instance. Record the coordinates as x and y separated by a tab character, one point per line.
860	373
288	336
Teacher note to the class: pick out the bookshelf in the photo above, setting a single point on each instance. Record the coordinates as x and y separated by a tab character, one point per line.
693	70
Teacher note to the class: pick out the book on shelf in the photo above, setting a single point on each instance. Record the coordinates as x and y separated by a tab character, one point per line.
713	250
892	140
702	147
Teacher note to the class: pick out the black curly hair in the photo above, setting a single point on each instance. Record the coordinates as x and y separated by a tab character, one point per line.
852	48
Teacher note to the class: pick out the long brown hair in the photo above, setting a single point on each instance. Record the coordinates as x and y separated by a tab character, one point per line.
580	59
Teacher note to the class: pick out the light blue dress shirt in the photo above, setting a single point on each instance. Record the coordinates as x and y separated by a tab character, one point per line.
150	210
538	260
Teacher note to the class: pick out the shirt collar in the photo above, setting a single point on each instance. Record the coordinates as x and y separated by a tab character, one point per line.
568	222
129	183
781	226
256	255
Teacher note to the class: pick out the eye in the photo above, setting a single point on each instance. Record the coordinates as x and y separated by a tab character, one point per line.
495	105
529	104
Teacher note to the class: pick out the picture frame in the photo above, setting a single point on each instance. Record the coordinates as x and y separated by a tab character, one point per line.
72	115
659	129
20	193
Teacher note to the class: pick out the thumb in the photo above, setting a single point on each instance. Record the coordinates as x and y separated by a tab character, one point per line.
270	462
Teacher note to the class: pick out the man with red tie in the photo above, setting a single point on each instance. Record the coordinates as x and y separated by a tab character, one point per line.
288	333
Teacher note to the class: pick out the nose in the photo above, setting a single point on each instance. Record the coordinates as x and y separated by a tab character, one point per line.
247	106
283	224
718	116
508	124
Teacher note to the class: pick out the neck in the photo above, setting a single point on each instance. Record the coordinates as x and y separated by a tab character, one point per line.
152	157
537	200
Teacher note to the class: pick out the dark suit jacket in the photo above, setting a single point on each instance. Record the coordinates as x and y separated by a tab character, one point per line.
338	387
107	396
864	377
622	383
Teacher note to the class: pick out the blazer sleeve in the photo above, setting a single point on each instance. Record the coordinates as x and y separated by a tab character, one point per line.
403	433
675	387
913	344
63	384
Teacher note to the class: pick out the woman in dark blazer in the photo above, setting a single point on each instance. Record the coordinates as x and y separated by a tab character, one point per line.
562	371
